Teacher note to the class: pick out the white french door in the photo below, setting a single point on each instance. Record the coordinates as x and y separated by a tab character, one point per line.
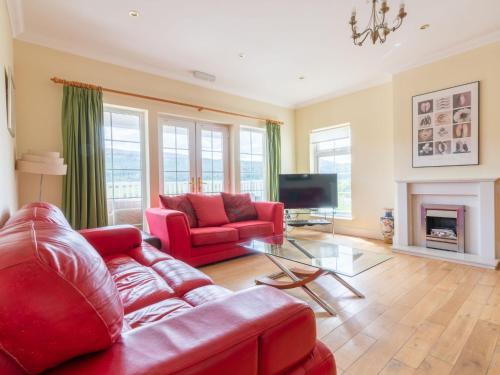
194	157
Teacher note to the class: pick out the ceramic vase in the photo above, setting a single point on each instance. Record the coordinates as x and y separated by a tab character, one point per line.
387	225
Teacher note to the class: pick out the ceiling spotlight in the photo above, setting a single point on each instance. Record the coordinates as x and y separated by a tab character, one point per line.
425	26
302	78
242	55
204	76
397	45
133	13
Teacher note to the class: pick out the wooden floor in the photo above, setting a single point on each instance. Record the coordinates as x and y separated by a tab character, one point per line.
421	316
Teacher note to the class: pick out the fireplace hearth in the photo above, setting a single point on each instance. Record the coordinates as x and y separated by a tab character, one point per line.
444	227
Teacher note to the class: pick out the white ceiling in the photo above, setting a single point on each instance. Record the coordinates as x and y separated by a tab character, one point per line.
282	40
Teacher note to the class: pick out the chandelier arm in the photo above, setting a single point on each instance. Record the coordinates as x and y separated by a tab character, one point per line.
382	21
373	19
398	25
365	34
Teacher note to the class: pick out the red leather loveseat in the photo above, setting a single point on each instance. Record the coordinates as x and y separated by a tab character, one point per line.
203	244
102	302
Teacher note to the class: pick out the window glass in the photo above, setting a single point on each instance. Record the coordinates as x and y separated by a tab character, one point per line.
124	161
252	162
332	154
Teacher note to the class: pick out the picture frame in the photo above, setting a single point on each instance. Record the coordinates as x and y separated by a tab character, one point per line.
10	101
445	127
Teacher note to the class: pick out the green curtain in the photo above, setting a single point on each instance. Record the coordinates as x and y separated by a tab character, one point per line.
273	158
84	186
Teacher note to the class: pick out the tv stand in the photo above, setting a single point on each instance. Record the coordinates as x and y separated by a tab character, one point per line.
295	222
305	223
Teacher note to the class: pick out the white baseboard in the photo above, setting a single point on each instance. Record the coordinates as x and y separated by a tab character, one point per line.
348	231
359	232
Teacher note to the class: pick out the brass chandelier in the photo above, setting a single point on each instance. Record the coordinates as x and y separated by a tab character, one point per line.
377	28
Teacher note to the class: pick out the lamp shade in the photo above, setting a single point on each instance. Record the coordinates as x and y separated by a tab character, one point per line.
44	163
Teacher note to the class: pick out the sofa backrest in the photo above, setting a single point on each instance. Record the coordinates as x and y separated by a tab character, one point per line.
57	298
38	212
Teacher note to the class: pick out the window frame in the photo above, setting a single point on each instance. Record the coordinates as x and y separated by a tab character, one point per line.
264	158
190	124
316	154
195	127
142	114
226	155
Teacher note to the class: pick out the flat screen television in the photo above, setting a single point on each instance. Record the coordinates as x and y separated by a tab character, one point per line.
308	190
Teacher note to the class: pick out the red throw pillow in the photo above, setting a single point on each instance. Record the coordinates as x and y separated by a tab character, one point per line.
180	203
239	207
209	210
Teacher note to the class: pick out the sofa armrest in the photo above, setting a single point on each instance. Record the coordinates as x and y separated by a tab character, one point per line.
258	330
113	239
271	211
172	228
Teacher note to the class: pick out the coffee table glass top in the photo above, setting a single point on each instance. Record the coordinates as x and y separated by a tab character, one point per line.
340	259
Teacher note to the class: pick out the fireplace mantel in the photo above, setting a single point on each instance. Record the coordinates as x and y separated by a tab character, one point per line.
448	181
477	194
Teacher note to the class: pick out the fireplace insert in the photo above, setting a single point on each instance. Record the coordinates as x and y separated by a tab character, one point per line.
444	227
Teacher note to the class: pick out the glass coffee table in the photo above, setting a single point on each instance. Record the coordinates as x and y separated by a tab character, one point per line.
325	259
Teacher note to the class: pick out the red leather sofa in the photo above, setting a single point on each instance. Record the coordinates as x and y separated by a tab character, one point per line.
103	302
199	246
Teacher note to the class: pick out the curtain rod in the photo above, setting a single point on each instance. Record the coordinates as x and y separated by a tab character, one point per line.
200	108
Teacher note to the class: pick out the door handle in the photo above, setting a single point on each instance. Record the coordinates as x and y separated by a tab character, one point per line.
199	184
192	187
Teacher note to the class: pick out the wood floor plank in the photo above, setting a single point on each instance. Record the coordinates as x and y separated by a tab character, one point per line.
351	327
397	368
425	307
448	310
416	349
478	351
491	311
489	278
346	355
456	334
380	353
385	323
494	368
433	366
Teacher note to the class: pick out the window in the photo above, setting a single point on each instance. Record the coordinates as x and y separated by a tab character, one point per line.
177	166
213	161
125	165
331	153
252	162
194	157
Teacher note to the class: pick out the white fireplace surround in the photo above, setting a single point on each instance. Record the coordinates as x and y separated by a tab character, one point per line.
478	195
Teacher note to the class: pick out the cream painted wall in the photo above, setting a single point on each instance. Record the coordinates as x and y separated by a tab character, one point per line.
370	114
8	191
481	64
39	108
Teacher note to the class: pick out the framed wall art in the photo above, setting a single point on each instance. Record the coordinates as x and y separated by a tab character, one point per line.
446	127
10	95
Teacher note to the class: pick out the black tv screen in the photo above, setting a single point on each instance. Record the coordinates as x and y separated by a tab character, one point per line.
308	190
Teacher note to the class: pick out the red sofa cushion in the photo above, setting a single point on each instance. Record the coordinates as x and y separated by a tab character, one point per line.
156	312
138	286
252	228
209	210
58	298
180	203
213	235
239	207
